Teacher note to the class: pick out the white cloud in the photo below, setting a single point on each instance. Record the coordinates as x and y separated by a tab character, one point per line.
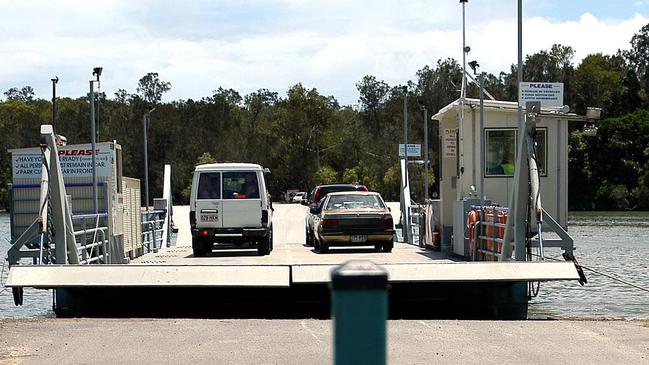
328	45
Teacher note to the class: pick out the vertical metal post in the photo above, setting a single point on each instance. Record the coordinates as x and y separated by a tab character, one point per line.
359	307
94	146
146	162
482	141
12	220
515	227
425	154
55	80
464	80
519	231
405	224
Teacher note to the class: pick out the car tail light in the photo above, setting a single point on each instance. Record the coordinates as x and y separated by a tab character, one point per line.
363	188
204	232
192	219
386	222
329	223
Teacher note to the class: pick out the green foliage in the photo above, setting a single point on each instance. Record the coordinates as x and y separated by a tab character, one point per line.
350	176
612	197
24	95
205	158
325	175
307	138
151	87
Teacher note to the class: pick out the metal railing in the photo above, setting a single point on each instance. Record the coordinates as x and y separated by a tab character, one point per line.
93	245
153	230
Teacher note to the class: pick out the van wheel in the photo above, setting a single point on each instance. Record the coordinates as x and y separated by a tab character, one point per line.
201	247
388	245
266	244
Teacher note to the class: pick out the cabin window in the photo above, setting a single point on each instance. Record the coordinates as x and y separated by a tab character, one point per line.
500	153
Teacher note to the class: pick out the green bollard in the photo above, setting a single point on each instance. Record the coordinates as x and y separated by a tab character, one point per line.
359	308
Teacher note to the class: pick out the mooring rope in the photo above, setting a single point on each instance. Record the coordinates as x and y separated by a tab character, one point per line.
612	277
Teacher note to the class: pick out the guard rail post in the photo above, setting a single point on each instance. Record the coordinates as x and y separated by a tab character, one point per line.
360	312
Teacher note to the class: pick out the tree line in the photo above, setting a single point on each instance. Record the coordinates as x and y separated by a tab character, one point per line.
307	138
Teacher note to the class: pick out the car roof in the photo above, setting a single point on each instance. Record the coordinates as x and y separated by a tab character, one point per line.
353	193
228	166
339	185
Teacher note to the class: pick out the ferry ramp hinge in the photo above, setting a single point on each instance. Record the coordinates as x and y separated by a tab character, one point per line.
17	292
582	277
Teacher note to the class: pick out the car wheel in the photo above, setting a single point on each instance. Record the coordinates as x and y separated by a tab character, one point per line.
378	247
324	247
388	245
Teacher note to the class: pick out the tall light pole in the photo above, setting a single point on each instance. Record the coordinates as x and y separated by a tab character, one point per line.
55	80
405	225
145	125
96	72
422	106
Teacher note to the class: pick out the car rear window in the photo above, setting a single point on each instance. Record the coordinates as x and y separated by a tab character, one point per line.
334	189
354	202
209	186
240	185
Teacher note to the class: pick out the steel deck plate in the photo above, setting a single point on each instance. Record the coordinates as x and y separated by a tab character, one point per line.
147	276
453	272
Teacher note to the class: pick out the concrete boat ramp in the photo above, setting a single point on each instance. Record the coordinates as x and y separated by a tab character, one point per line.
291	281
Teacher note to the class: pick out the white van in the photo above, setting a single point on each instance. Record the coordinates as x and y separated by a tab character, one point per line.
229	203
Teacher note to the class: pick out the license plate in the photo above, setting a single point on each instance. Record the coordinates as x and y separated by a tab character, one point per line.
209	217
358	238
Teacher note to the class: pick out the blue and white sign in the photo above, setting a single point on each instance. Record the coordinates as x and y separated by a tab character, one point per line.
414	150
549	94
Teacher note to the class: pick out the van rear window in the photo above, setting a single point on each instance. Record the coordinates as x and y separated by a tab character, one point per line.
209	185
240	185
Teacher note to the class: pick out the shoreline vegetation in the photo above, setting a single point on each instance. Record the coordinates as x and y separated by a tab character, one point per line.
306	138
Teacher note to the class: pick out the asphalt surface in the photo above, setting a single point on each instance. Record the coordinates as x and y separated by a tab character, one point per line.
207	341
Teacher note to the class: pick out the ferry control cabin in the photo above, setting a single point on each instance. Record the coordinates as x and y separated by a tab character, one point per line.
462	163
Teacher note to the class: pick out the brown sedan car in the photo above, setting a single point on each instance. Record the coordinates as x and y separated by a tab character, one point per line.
353	219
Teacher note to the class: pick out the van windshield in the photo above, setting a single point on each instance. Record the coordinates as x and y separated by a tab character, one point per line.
240	185
209	186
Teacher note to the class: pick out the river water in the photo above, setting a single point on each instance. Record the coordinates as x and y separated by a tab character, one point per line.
614	243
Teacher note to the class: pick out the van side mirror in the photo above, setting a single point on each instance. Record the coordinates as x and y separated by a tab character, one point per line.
266	170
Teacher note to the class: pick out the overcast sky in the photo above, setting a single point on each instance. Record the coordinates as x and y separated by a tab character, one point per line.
246	45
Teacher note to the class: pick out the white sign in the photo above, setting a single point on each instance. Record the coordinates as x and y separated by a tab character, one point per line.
450	143
414	150
548	93
76	161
